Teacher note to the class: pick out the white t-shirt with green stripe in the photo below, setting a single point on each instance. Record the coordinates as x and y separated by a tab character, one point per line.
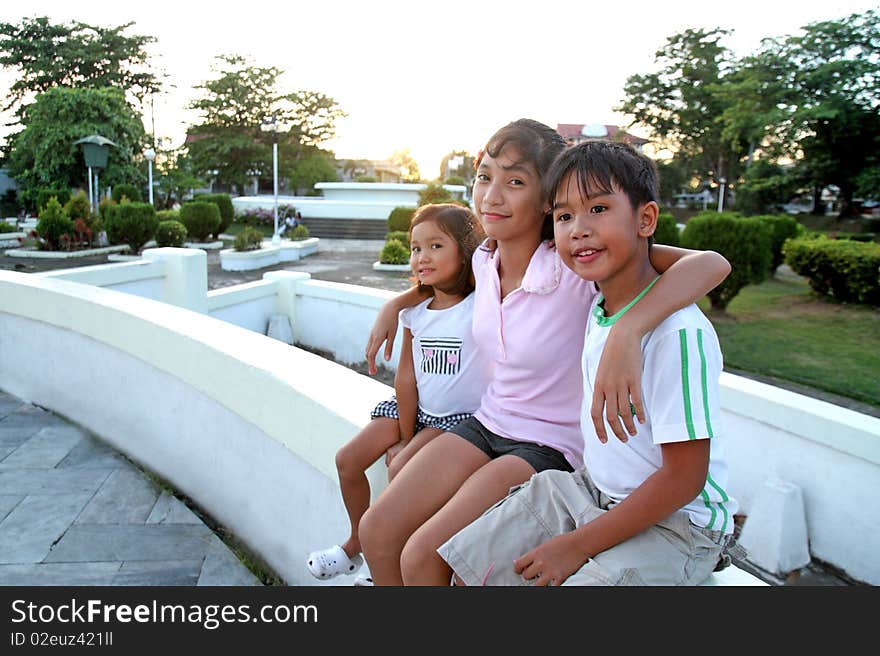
682	364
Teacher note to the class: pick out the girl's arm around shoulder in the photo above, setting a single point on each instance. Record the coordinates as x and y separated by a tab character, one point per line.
385	327
687	276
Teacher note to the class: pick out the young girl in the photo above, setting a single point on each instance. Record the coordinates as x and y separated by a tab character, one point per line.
529	318
440	377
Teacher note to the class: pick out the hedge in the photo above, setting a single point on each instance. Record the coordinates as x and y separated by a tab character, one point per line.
171	233
394	253
224	204
781	227
249	239
667	230
745	242
129	191
200	218
400	218
846	270
131	223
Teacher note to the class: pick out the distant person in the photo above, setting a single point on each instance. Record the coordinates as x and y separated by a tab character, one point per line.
290	223
440	378
653	510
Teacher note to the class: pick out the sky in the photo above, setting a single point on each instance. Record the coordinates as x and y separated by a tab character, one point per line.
428	77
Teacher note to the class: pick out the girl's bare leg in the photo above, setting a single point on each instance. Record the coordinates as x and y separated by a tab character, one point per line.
352	461
428	481
420	562
419	440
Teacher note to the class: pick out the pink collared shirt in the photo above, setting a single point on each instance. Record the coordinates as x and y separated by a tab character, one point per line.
534	337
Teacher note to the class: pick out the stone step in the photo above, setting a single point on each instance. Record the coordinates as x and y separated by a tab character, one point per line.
346	228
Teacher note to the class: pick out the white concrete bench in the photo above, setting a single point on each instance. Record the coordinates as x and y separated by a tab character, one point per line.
733	575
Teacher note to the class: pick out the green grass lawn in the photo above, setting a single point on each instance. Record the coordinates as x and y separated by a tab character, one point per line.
782	329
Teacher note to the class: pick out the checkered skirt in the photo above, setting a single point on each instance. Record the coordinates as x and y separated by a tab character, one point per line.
423	420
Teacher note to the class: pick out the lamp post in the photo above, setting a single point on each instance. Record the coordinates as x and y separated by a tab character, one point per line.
150	155
272	126
96	150
721	183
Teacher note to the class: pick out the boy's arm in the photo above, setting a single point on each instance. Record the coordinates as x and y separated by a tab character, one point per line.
677	482
405	389
686	277
385	327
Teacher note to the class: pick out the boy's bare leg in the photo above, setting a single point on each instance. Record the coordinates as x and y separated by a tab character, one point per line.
420	562
352	461
419	440
429	480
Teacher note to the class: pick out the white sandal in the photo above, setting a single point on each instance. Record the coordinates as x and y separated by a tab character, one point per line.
327	563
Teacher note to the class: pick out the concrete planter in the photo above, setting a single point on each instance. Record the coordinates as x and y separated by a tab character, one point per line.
267	255
65	255
378	266
207	246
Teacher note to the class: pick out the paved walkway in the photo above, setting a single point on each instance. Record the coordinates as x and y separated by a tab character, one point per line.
75	512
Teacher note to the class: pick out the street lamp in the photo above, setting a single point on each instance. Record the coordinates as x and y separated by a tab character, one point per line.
150	155
272	126
96	150
722	182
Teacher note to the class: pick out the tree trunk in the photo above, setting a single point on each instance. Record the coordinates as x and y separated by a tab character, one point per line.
818	208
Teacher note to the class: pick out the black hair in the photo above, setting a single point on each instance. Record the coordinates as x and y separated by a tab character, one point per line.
537	144
602	165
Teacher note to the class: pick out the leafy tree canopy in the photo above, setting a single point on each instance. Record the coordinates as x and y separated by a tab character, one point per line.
47	55
230	142
45	153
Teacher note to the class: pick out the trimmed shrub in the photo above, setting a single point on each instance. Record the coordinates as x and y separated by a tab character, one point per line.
131	223
78	207
43	196
299	233
200	218
667	230
455	180
170	233
781	227
249	239
53	225
434	193
394	253
400	218
129	191
168	215
400	235
7	227
841	268
745	242
224	204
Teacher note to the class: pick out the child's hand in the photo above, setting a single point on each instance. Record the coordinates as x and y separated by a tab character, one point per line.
392	451
384	330
552	562
618	387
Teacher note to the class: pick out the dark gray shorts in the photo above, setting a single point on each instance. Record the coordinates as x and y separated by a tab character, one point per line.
538	456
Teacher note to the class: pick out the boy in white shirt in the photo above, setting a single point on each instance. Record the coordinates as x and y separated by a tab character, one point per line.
651	510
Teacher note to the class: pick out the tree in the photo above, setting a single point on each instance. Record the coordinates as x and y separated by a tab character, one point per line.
765	187
45	153
813	97
409	169
682	102
315	165
48	55
229	143
174	177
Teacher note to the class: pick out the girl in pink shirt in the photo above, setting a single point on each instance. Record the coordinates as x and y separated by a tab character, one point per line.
530	315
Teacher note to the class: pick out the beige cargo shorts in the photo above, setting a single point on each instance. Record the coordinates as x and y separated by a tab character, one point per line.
673	552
